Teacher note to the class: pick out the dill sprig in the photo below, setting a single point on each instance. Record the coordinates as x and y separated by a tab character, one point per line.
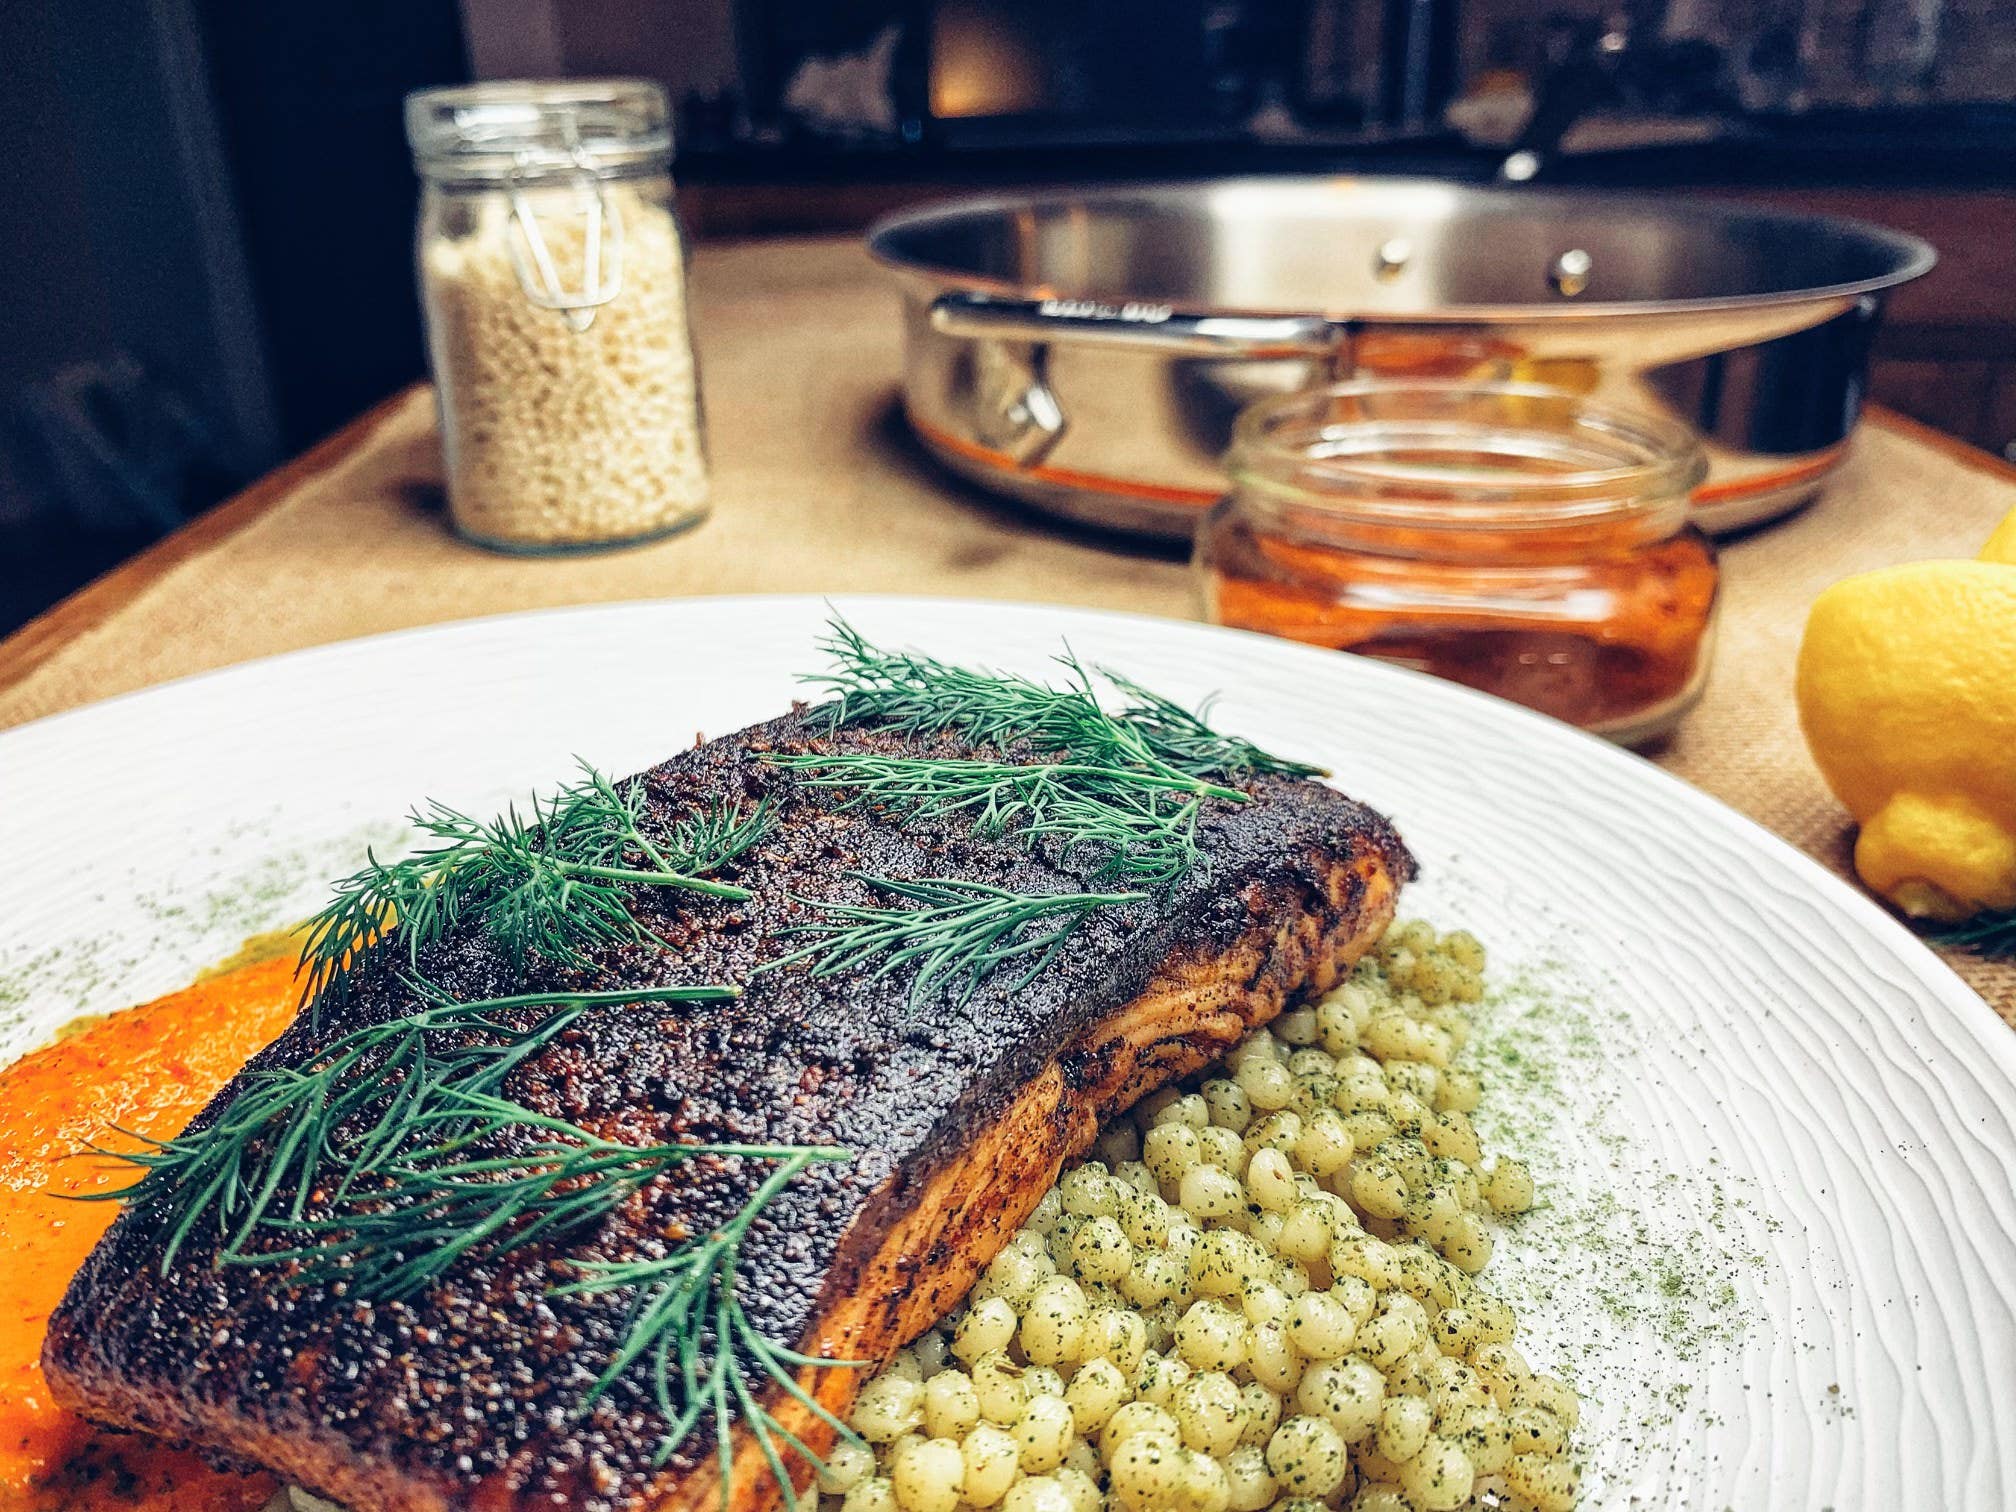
1186	740
688	1326
385	1156
552	883
1128	782
957	933
720	832
1990	934
399	1224
912	694
1144	823
359	1106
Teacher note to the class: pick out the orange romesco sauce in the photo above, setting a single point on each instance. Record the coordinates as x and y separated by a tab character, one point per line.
148	1069
1601	641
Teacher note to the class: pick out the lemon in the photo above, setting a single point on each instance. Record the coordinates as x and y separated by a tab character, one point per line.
1907	694
2001	545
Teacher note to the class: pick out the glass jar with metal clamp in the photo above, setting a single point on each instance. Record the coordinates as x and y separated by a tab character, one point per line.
553	282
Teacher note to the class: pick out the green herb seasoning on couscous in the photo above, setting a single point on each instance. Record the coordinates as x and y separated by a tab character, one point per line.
1262	1294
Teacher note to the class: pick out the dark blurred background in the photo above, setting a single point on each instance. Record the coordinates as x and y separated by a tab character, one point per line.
207	243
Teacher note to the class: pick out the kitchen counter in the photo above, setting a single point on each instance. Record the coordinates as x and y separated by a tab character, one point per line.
818	489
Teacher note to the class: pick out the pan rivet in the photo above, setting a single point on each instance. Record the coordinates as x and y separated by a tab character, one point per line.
1391	260
1570	273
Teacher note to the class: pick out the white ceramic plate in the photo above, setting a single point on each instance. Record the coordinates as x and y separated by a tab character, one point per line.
1777	1139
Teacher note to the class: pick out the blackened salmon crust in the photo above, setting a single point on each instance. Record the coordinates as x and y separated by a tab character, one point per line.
473	1394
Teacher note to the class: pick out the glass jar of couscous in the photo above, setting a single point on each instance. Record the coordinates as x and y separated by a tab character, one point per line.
553	281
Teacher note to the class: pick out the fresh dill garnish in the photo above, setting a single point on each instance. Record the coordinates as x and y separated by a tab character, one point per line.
553	883
1186	740
1143	824
1128	783
379	1157
912	694
957	933
688	1323
1990	934
721	832
398	1224
369	1100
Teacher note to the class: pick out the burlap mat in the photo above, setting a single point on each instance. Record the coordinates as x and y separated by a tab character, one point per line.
818	490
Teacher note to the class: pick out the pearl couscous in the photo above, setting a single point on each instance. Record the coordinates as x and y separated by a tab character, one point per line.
1260	1294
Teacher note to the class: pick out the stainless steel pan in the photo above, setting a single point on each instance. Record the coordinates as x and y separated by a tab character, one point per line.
1087	351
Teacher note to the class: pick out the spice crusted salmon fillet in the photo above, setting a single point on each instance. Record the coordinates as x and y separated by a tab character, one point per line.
480	1391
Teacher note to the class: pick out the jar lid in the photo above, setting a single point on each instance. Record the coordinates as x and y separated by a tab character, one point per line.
518	127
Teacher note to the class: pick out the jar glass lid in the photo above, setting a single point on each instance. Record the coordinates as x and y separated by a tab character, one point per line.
512	128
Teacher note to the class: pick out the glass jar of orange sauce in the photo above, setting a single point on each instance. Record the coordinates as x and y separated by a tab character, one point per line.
1511	537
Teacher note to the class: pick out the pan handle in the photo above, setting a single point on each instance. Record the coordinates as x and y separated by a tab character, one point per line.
1142	324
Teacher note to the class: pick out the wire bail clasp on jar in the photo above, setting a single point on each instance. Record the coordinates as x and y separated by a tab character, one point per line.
602	243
